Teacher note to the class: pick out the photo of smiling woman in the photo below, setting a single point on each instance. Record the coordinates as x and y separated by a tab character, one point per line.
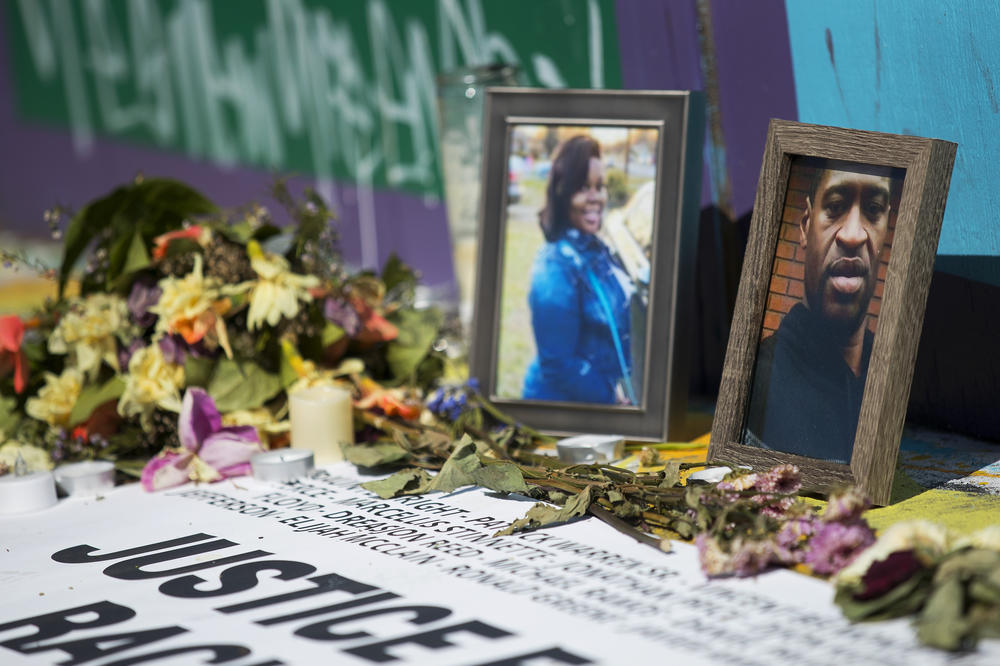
576	267
822	309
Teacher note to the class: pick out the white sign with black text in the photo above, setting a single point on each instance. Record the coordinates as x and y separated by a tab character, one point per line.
322	571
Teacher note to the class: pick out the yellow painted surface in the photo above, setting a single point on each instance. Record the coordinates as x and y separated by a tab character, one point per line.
22	296
961	511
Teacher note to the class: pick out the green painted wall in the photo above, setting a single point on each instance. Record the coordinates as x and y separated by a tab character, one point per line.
338	89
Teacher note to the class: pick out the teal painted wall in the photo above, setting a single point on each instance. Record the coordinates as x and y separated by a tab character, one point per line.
924	67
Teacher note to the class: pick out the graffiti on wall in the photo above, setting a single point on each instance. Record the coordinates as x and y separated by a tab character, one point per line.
341	90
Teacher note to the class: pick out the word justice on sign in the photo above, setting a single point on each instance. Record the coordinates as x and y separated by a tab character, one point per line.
339	600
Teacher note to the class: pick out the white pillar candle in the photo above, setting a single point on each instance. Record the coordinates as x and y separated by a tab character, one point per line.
86	479
322	419
282	464
28	492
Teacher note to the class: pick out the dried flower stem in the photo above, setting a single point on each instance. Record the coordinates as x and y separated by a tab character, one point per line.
614	521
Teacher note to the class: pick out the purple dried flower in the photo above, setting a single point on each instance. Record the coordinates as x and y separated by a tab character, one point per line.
846	505
750	557
342	314
835	545
176	350
125	353
884	575
172	347
783	479
143	296
791	541
778	506
714	561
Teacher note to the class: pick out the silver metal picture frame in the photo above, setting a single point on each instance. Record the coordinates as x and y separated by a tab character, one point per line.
587	235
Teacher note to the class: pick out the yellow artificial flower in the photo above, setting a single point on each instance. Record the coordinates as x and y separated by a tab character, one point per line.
152	381
193	306
35	458
309	375
277	291
55	400
87	332
267	424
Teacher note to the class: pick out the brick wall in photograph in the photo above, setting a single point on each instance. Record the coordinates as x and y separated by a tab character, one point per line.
788	270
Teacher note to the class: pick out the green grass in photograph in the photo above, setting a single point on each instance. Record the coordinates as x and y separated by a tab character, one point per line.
523	238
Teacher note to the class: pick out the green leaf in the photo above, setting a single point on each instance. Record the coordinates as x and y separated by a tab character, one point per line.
543	515
417	331
501	477
92	397
198	371
412	481
239	232
331	333
132	467
399	278
942	623
9	416
458	469
182	246
138	257
372	455
84	226
904	599
286	373
147	208
120	241
242	385
671	474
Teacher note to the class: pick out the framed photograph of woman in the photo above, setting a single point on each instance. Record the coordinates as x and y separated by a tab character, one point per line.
828	315
588	224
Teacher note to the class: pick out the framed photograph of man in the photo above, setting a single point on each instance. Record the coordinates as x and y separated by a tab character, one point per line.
830	305
588	223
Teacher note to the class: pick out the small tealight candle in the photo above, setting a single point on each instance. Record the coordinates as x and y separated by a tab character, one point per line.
281	464
322	419
86	479
591	448
26	492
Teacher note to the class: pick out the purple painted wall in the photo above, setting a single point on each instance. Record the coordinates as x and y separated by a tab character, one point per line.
743	63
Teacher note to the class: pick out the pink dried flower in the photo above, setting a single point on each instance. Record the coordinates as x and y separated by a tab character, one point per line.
714	561
792	540
846	505
778	507
750	557
835	545
783	479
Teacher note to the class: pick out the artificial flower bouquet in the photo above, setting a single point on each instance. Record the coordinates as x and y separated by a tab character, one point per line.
188	326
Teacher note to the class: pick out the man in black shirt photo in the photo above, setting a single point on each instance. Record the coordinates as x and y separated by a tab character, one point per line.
810	374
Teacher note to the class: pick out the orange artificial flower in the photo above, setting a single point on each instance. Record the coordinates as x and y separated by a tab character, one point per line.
11	354
162	242
392	402
374	327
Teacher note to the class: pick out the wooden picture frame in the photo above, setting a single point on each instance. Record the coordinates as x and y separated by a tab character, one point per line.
927	164
525	131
